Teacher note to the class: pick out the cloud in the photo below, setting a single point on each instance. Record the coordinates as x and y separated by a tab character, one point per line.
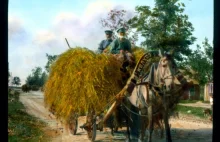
46	39
15	26
81	30
16	30
23	59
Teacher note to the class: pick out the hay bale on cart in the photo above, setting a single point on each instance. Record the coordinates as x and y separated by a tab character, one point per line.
81	80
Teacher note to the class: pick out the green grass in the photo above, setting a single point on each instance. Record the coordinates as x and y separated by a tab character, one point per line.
195	111
22	126
188	101
192	101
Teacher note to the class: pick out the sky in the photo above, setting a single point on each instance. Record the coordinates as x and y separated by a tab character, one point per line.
38	27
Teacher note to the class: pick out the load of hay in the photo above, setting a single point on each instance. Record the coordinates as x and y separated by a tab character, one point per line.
80	80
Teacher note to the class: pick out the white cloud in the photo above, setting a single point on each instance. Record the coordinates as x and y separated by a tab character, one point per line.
15	26
16	29
84	30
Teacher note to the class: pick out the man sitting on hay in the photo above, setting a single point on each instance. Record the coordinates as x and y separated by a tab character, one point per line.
121	48
105	43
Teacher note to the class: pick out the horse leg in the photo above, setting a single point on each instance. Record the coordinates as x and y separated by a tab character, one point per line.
150	122
134	124
167	127
143	123
160	125
162	129
128	132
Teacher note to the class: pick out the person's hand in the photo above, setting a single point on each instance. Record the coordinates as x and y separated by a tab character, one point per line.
105	51
121	51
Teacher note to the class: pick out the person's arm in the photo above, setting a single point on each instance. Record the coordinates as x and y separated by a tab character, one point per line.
100	49
113	47
127	47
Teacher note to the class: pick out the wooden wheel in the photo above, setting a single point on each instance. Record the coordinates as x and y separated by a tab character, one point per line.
73	125
116	129
91	125
91	132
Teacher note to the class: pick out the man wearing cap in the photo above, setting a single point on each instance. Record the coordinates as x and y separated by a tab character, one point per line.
120	44
121	48
105	43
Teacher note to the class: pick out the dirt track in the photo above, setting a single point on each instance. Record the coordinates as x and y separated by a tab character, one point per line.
185	129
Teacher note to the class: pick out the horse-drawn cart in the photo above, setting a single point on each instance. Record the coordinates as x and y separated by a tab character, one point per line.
161	91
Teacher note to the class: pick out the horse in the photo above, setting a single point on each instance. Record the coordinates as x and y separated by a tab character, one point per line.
159	94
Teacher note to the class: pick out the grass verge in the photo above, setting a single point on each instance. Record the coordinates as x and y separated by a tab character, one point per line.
192	101
21	125
188	101
191	111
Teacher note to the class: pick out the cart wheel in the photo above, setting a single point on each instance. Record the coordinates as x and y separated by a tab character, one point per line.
92	132
73	125
116	129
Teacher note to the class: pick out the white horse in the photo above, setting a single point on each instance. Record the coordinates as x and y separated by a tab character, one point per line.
161	91
154	95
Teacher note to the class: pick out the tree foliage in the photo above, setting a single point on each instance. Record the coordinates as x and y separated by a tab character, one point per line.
50	60
37	77
115	20
201	61
165	26
16	81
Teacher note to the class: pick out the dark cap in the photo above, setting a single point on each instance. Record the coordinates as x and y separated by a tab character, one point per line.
121	30
108	32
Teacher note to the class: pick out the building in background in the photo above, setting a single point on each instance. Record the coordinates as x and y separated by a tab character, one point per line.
208	91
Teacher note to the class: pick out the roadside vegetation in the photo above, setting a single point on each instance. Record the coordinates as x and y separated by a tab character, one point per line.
191	111
188	101
192	101
21	125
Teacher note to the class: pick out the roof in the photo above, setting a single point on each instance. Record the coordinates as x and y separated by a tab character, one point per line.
190	79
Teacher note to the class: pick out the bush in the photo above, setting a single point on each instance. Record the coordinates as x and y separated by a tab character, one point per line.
13	95
25	88
35	88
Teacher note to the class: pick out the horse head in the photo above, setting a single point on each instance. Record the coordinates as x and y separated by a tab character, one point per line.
166	71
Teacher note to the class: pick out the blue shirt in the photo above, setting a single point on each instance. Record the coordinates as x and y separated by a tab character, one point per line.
104	44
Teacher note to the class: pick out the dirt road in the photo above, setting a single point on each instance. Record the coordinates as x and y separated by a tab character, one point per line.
184	129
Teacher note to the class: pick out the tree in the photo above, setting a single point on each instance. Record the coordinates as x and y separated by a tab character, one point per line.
201	61
115	20
30	81
37	77
37	72
51	59
16	81
43	78
164	27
